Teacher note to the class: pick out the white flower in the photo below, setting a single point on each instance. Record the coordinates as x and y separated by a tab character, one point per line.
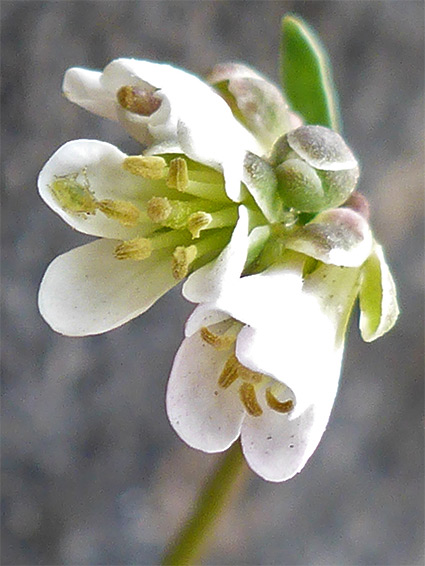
170	110
158	219
262	353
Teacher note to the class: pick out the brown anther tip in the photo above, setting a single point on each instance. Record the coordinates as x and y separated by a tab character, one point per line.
249	400
229	373
276	405
217	341
138	101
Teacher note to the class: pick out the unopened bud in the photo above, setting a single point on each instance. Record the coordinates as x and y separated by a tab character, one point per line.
315	169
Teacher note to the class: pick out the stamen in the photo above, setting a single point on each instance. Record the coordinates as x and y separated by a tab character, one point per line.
72	195
136	249
229	373
148	167
181	261
173	213
138	100
276	405
125	212
249	400
249	376
219	341
159	209
198	221
178	176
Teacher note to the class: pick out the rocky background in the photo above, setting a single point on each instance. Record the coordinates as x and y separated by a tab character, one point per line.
93	474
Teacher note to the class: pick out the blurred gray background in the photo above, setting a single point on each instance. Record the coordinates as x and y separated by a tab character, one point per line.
93	474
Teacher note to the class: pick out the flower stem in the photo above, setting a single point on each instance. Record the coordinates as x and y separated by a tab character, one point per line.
216	495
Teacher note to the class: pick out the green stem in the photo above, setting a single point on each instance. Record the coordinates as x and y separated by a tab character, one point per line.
217	493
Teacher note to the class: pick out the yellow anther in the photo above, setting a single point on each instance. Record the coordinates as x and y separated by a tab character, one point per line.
136	249
249	399
125	212
159	209
276	405
218	341
198	221
178	176
138	100
181	261
146	166
72	195
229	373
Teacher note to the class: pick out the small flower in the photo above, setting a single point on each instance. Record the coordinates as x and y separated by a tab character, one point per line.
169	110
158	218
160	215
262	354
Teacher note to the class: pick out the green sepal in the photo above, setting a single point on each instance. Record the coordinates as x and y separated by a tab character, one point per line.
378	299
261	182
307	76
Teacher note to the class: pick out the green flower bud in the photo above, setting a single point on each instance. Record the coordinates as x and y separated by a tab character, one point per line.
315	169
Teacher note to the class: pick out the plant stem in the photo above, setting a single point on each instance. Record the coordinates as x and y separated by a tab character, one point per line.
216	495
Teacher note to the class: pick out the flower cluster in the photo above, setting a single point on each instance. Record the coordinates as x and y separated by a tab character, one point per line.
257	212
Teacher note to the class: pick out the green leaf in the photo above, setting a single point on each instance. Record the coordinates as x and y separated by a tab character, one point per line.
306	74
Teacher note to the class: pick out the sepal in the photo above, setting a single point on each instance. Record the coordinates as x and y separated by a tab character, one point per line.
378	298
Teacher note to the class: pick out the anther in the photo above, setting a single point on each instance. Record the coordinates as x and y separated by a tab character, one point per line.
138	100
182	259
178	177
218	341
249	400
229	373
198	221
136	249
276	405
159	209
125	212
72	195
146	166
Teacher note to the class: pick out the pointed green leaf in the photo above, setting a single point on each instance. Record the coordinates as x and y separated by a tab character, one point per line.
306	74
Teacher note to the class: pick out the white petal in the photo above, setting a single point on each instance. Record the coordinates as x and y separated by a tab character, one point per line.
84	87
87	291
204	315
206	284
296	334
100	165
204	415
192	118
277	446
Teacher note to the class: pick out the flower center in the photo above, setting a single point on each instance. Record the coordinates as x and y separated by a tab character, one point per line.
252	382
182	207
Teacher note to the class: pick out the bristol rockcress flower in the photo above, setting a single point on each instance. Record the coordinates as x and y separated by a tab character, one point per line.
262	354
259	211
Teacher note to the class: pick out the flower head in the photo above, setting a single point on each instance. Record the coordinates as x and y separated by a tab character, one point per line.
262	354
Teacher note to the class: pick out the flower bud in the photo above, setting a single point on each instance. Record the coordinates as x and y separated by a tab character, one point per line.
315	169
